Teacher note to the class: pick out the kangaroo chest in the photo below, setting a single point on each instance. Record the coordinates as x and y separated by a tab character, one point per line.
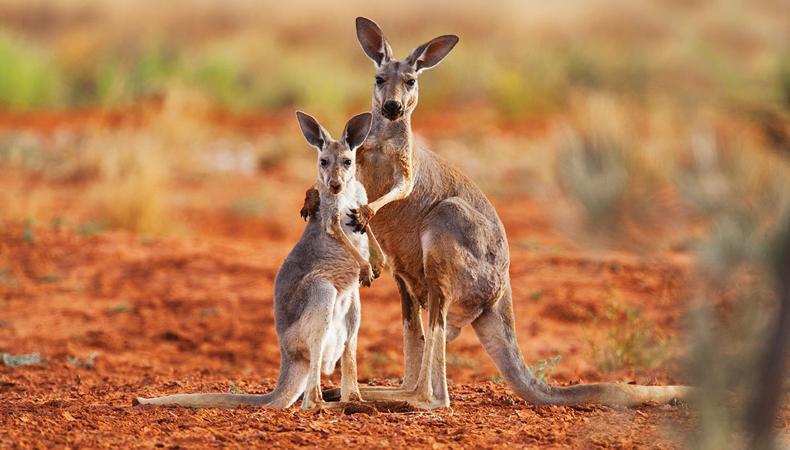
340	206
376	168
397	224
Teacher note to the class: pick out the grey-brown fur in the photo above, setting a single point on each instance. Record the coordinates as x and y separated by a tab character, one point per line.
447	248
316	294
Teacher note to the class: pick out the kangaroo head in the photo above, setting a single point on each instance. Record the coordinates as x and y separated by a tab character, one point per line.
395	92
336	159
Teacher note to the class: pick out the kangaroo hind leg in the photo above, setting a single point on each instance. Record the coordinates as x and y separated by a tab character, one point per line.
314	328
349	390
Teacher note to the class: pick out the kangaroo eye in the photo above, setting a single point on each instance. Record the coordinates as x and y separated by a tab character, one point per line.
347	162
324	162
411	81
379	80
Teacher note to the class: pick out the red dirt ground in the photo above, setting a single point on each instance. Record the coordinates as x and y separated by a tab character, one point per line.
195	314
190	315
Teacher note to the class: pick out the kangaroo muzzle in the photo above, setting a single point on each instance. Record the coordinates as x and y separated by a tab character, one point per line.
392	109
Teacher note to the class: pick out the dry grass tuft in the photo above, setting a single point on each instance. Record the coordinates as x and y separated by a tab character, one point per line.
132	184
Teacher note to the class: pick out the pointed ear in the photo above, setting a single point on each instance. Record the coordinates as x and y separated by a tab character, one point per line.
432	52
312	130
357	130
371	38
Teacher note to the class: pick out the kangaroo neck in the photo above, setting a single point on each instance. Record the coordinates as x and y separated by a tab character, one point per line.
396	133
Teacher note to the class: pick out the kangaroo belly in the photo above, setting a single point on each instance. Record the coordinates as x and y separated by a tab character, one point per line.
339	329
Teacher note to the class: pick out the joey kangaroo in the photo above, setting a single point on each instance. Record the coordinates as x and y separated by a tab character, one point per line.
316	292
447	247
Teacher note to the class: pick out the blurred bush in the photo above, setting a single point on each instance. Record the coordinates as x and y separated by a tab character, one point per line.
524	58
30	77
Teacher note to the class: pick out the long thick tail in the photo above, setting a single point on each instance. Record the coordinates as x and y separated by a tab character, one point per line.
495	329
290	385
216	400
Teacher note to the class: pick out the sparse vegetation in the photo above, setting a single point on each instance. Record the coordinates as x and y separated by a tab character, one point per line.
233	389
131	190
35	80
543	368
454	359
28	232
120	308
11	360
631	341
248	207
92	228
86	363
255	66
497	379
49	278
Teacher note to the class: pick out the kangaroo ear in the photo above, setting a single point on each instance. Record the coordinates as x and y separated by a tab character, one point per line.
371	38
357	130
312	130
432	52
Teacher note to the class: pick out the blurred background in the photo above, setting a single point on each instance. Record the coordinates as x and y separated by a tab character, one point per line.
680	102
648	131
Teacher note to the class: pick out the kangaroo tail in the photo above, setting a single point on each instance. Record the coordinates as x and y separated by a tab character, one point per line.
290	384
214	400
495	329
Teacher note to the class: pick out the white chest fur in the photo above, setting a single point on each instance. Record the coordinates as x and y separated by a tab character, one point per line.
340	206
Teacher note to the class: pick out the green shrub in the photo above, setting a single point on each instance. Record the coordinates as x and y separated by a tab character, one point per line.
29	77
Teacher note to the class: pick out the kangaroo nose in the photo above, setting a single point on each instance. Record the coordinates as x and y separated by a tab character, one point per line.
391	109
335	185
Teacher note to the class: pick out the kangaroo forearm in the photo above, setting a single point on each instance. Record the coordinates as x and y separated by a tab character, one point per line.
400	191
375	243
342	237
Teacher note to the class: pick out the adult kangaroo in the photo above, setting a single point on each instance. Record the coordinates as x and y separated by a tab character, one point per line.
446	246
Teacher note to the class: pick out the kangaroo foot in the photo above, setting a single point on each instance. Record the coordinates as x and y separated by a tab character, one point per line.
414	398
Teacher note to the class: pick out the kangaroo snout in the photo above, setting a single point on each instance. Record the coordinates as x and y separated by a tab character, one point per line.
335	186
392	109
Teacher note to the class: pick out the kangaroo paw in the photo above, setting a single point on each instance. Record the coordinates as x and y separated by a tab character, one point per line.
360	218
311	204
